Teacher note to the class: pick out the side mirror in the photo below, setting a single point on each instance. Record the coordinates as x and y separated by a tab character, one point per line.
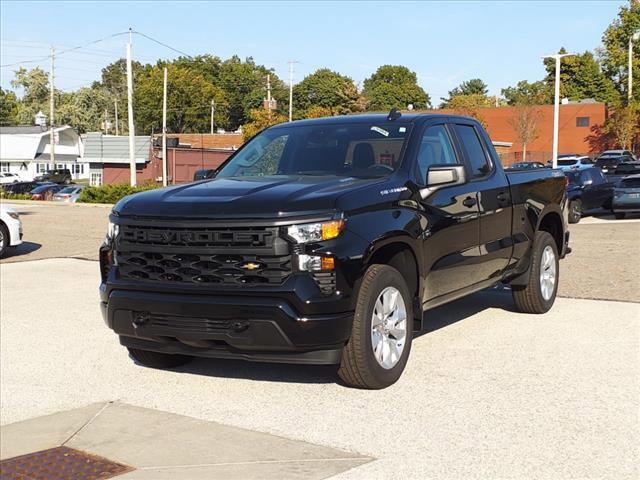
445	175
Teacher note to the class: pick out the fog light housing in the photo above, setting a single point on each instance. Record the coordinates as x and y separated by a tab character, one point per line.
315	263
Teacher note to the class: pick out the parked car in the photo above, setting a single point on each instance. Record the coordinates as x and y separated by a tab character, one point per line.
574	163
45	192
617	153
203	174
626	196
588	190
22	187
525	166
59	175
323	241
68	194
609	164
8	177
10	229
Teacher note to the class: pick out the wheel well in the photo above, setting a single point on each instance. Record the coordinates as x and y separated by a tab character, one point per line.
400	257
552	223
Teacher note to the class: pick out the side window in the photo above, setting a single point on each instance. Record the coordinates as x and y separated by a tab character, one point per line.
598	176
480	166
435	148
586	176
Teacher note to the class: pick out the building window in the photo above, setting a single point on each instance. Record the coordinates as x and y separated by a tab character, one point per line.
4	166
96	179
582	121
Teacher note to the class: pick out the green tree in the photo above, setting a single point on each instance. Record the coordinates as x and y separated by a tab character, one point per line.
528	93
35	93
259	119
8	107
580	78
189	98
475	87
623	125
394	86
614	53
85	109
469	105
327	89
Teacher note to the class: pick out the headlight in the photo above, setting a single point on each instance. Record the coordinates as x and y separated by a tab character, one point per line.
316	263
112	232
315	232
14	215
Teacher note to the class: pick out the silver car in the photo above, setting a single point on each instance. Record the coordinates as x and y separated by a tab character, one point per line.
626	196
68	194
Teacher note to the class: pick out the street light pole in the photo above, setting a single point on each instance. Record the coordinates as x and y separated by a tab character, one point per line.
556	106
632	38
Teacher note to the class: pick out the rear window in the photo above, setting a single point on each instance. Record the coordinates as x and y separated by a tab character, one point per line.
629	183
566	163
627	169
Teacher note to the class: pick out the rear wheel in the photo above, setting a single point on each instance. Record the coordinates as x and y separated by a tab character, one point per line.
575	211
157	359
4	239
380	342
619	215
540	292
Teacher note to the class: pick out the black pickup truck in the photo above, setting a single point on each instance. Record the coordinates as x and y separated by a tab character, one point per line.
324	241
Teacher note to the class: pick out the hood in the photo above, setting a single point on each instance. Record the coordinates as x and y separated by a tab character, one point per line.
250	197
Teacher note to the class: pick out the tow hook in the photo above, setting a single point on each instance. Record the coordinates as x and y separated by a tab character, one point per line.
140	318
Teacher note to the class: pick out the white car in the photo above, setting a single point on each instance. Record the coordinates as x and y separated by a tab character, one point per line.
6	177
10	229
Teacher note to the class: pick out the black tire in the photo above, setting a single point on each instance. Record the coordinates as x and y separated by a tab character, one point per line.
4	241
529	298
157	359
619	215
359	368
575	211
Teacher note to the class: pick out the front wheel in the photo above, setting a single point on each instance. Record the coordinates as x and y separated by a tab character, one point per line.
540	292
575	211
157	359
377	352
4	239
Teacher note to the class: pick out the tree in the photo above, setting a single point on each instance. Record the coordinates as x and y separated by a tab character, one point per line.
188	101
580	78
526	93
259	119
394	86
327	89
624	125
469	105
614	53
84	109
475	86
8	107
35	93
318	112
525	124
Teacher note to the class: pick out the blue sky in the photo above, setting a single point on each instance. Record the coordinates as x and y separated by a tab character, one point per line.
443	42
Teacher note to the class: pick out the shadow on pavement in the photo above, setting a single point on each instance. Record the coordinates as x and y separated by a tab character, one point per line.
23	249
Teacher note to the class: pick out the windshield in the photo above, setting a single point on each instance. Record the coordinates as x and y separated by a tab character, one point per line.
574	177
566	163
357	150
629	183
607	161
69	190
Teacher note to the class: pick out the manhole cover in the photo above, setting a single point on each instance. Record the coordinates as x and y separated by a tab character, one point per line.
60	463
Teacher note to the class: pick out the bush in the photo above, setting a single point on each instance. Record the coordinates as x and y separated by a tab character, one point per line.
14	196
111	193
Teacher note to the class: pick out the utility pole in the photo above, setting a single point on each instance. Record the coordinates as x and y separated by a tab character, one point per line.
556	105
115	105
213	112
132	137
291	62
106	120
52	140
632	38
269	94
164	131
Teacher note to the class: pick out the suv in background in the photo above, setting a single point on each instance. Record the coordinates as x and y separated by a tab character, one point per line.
618	153
587	190
609	164
574	163
59	175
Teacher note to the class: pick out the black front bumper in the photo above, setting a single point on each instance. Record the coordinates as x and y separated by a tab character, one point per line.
225	326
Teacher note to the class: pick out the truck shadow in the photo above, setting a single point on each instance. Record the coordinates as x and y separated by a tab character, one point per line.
441	317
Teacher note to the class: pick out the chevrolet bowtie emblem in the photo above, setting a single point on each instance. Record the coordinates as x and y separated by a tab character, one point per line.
251	266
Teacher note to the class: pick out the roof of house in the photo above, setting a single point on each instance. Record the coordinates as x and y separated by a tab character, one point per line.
227	141
22	129
100	148
27	143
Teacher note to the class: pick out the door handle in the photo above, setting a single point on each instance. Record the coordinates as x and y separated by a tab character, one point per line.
469	202
502	197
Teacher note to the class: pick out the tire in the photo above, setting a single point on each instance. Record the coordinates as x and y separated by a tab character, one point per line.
575	211
619	215
157	359
4	239
359	366
533	298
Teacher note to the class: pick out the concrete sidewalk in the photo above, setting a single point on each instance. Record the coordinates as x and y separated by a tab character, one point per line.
159	445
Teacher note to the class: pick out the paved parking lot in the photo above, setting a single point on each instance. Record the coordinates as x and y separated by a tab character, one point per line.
487	393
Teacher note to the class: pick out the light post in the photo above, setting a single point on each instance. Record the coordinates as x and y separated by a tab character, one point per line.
556	105
633	38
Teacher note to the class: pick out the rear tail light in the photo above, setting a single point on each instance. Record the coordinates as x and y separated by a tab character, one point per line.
566	181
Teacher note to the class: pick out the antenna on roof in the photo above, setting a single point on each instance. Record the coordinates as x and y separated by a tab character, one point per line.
394	114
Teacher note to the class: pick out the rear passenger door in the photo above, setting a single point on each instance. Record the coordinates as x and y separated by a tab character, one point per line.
494	201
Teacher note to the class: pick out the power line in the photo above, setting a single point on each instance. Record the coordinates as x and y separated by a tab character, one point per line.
163	44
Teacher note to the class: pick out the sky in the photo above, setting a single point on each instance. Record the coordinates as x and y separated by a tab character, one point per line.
445	43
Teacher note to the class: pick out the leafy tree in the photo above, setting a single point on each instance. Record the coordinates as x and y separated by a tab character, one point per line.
84	109
327	89
614	53
8	107
580	78
528	93
475	87
624	125
189	98
470	105
35	87
394	86
259	119
318	112
525	124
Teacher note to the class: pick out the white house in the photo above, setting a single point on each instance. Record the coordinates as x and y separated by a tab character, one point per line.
27	151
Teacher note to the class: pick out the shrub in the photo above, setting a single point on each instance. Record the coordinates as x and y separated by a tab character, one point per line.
111	193
14	196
